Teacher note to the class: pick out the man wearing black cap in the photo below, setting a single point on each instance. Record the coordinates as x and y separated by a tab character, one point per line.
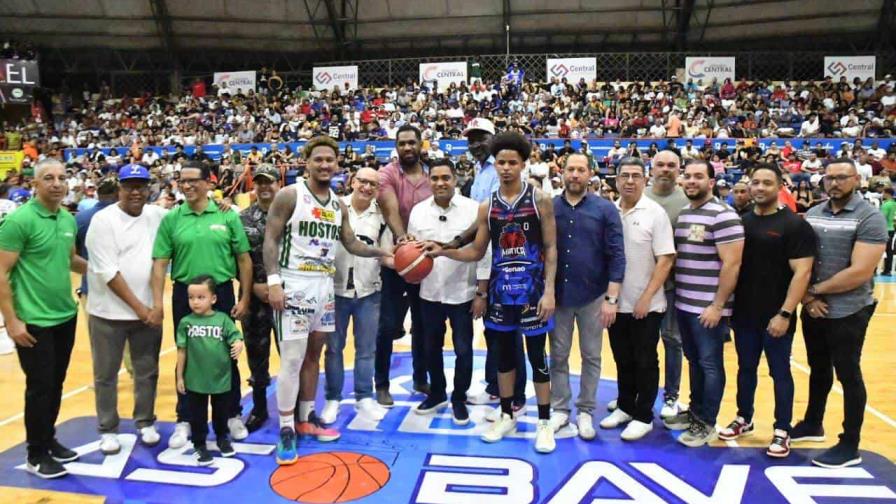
258	322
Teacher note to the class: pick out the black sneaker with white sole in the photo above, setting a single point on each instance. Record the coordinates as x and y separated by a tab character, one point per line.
61	453
839	455
203	457
804	432
459	413
45	467
430	405
226	448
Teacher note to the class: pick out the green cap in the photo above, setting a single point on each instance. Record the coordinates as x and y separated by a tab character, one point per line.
268	171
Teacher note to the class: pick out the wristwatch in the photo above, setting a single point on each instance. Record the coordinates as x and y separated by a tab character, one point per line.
613	300
784	313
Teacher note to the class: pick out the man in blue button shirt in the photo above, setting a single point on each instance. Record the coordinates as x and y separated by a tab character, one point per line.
590	268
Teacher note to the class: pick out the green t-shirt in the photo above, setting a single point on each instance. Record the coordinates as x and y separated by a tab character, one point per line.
41	279
888	208
207	340
201	244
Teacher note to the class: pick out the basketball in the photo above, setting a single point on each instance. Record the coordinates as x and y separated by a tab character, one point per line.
330	477
411	263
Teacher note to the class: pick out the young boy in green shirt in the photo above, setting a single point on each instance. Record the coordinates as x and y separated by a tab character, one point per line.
206	341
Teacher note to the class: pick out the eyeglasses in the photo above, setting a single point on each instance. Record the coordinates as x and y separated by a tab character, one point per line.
630	176
372	183
830	179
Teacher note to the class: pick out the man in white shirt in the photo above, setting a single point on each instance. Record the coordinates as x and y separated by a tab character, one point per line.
658	130
453	290
812	165
876	152
649	256
357	286
119	242
689	151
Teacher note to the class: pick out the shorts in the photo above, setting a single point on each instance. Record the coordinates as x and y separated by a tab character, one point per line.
310	307
516	317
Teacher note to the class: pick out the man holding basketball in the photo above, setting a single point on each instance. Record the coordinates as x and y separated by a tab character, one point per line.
519	222
304	223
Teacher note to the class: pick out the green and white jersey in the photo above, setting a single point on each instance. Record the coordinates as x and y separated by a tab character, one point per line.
309	242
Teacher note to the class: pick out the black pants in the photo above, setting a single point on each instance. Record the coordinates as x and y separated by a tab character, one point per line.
461	319
45	365
634	344
397	296
198	410
506	343
257	327
836	344
180	308
888	260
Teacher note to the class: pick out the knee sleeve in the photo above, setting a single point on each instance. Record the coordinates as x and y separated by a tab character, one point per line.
292	354
505	342
537	358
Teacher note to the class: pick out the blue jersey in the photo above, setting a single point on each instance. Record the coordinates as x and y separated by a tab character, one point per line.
517	276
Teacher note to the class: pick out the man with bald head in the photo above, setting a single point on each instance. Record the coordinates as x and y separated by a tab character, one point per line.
357	286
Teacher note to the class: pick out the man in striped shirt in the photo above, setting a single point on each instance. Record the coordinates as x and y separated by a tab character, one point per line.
709	241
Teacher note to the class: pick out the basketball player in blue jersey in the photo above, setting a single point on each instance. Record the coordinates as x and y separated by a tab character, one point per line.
304	222
518	220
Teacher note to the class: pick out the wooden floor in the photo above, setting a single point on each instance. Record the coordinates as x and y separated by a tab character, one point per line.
879	431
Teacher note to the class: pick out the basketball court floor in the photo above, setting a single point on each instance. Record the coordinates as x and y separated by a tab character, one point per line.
410	458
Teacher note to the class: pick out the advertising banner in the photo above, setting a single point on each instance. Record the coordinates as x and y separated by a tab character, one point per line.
325	78
17	80
444	73
707	68
850	67
572	69
236	81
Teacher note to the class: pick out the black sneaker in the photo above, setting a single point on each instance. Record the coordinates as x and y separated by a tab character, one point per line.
839	455
459	412
44	466
203	457
255	422
61	453
226	448
430	405
803	432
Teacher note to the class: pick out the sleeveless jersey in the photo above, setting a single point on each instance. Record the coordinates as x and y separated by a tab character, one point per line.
517	276
309	240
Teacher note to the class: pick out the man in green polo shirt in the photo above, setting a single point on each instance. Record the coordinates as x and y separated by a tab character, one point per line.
37	254
888	208
197	238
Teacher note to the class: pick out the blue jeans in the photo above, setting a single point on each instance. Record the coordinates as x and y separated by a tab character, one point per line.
672	346
434	316
365	314
398	296
706	366
750	343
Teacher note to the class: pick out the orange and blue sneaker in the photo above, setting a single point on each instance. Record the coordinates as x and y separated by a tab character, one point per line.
286	447
314	428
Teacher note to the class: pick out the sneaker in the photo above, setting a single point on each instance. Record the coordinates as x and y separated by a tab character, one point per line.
180	436
313	427
680	421
203	457
671	407
422	388
506	424
459	413
61	453
256	421
238	430
45	467
495	414
384	398
483	398
585	424
559	420
149	436
430	405
802	432
615	419
837	456
109	444
780	445
612	405
370	409
698	434
226	448
286	447
635	430
544	437
330	412
737	428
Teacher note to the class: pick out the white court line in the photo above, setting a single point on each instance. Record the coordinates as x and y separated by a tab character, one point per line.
870	409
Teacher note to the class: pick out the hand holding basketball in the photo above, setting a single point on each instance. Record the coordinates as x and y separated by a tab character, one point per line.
412	263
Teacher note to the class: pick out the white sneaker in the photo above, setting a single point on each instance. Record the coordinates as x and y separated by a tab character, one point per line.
586	426
330	412
636	430
671	408
615	418
109	444
559	420
611	406
238	430
544	437
482	398
506	424
7	345
495	414
370	409
180	436
149	435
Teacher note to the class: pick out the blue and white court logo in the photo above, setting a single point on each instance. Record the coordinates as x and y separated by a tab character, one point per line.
412	458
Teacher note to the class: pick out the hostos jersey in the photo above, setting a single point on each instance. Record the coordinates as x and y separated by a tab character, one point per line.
309	240
517	276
